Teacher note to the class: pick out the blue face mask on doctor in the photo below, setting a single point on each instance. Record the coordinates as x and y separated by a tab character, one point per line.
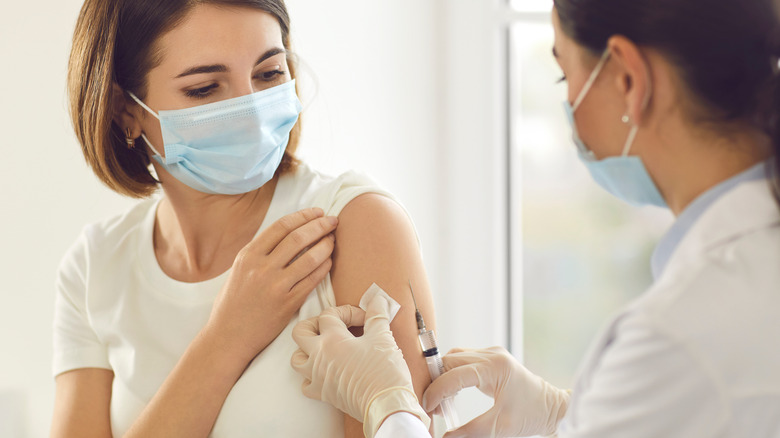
229	147
625	176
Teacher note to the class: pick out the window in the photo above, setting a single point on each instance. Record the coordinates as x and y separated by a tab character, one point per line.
577	254
534	255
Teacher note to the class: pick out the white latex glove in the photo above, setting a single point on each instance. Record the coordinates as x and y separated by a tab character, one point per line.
524	404
366	377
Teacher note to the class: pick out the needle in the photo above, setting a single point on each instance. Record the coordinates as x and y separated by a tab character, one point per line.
417	314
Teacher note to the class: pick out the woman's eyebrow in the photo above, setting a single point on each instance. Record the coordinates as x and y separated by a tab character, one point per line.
215	68
272	52
222	68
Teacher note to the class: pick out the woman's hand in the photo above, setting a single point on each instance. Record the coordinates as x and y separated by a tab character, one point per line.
270	279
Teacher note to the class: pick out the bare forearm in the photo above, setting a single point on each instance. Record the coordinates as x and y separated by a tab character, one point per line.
188	402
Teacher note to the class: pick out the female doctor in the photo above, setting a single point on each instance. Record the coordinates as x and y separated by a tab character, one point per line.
673	103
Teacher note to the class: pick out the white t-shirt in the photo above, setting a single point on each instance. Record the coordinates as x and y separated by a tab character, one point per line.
116	309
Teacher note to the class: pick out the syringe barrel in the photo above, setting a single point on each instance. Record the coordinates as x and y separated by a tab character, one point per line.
451	419
435	366
431	353
436	369
427	340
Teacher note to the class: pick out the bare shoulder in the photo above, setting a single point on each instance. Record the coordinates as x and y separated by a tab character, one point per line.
372	214
375	243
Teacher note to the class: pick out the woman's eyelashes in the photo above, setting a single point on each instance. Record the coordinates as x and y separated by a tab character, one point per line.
202	92
271	75
208	90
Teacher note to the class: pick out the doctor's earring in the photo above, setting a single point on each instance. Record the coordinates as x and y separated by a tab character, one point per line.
129	139
625	119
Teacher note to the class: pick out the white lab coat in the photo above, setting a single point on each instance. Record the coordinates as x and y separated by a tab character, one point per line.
697	355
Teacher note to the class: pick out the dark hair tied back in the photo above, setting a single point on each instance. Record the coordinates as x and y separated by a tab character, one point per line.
771	105
726	50
773	43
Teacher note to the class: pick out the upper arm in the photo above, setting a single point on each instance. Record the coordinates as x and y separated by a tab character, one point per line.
646	384
81	404
376	243
80	360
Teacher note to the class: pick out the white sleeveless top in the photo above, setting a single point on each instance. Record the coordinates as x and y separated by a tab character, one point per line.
116	309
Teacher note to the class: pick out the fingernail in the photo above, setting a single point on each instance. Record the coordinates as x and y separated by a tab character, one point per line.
318	211
333	220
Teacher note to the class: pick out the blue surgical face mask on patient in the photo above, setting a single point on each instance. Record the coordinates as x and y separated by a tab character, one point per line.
229	147
625	176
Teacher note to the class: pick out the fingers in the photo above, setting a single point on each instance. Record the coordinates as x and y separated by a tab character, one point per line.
461	356
301	364
312	258
302	288
305	334
303	237
336	320
271	237
447	385
311	391
377	318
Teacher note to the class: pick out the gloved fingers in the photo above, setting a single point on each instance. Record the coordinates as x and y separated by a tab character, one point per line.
377	318
496	350
461	357
310	390
338	319
459	350
301	364
449	384
479	351
484	425
305	334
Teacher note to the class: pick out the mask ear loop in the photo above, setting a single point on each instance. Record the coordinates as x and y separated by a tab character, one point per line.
589	83
144	106
635	128
630	140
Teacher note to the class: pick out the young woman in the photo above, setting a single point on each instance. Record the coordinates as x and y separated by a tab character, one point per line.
174	319
673	103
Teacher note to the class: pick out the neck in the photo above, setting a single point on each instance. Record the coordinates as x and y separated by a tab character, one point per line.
197	236
696	161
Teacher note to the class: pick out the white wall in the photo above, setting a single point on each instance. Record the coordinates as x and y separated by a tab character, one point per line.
47	196
405	90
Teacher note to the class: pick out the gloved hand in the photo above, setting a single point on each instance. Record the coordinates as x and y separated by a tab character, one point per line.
366	377
524	404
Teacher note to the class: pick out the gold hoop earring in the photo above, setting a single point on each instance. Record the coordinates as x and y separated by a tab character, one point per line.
130	140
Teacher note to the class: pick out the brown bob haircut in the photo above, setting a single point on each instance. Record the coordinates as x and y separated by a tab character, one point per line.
114	43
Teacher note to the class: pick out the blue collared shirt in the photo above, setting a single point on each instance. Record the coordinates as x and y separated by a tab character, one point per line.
663	252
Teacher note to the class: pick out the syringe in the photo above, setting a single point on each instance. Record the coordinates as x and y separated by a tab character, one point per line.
435	364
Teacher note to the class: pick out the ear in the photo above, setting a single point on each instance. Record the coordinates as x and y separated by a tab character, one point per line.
126	114
634	80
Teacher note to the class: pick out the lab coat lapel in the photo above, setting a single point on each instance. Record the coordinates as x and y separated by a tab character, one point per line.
747	208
